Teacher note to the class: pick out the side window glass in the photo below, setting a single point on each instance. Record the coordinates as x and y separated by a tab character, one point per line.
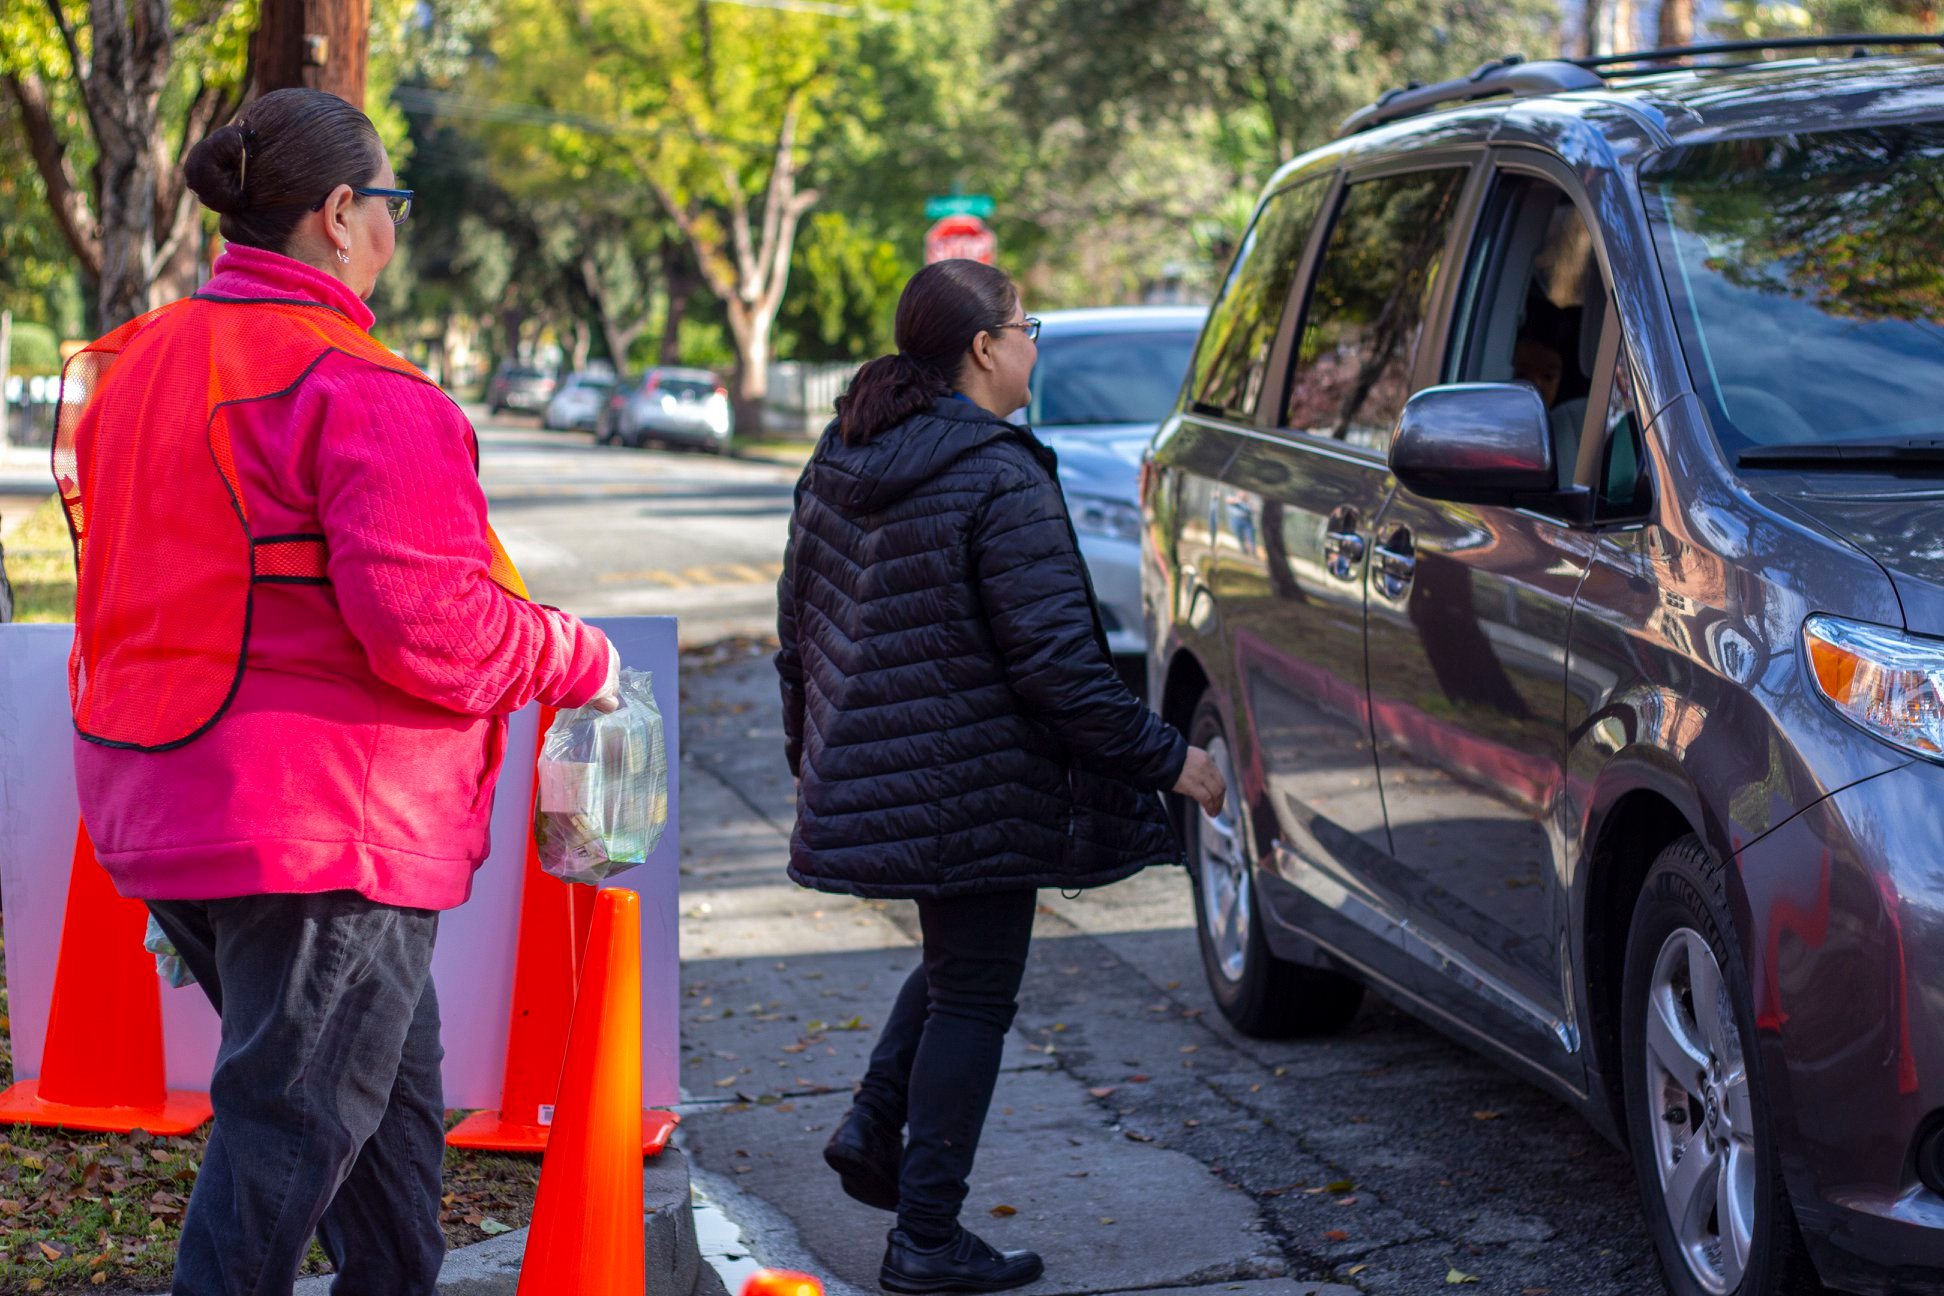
1231	362
1535	302
1352	371
1624	487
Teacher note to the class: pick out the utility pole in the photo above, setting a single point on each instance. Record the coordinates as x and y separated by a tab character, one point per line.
1676	23
322	44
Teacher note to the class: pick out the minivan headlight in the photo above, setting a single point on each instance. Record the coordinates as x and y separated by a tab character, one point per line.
1884	681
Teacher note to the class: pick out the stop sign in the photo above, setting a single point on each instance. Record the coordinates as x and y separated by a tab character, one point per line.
961	236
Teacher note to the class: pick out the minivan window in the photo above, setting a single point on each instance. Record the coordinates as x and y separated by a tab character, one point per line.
1352	371
1234	355
1807	278
1534	304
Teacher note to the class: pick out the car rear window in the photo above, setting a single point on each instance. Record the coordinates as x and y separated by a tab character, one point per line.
1807	277
691	388
1097	378
1233	358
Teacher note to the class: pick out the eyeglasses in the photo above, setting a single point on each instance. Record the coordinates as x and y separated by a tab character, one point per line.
1030	324
398	202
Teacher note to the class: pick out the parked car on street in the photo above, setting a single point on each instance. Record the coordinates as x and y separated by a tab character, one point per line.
1105	379
577	404
518	386
671	407
1546	545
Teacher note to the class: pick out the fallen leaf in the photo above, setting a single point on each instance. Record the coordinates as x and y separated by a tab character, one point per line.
1139	1137
53	1250
1336	1186
1059	1028
1354	1270
493	1228
1106	1219
1335	1235
1485	1115
1455	1276
1137	1079
795	1048
725	1082
36	1284
1101	1092
1346	1201
100	1277
1000	1212
1191	1124
1191	1048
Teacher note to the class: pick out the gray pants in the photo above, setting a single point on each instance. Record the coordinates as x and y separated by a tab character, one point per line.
329	1112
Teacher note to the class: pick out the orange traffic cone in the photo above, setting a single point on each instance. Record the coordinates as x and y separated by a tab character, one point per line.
102	1067
554	917
781	1282
586	1235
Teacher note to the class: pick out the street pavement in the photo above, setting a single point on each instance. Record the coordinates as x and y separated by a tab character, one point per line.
604	530
1136	1140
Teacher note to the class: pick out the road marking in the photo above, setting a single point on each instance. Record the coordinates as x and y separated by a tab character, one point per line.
708	576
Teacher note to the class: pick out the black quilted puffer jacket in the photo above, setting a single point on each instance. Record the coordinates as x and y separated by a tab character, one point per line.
948	700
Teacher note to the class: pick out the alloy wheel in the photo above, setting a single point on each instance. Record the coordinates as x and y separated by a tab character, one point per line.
1704	1134
1227	900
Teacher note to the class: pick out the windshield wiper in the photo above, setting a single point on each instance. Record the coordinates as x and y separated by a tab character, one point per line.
1923	452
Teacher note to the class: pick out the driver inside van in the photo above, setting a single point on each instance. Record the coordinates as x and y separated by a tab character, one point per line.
1538	362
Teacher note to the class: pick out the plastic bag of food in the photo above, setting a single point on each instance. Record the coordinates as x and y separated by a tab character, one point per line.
603	799
168	964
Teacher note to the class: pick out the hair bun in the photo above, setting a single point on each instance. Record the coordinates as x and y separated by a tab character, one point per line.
215	170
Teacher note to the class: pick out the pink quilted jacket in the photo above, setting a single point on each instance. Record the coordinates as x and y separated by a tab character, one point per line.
363	744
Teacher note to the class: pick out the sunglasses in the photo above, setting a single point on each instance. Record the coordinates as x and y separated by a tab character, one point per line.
398	202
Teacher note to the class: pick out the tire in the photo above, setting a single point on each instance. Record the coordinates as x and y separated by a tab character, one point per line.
1739	1236
1260	994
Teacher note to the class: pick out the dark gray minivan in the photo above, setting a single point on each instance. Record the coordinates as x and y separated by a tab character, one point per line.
1549	543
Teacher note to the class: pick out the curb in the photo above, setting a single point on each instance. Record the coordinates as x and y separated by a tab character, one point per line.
675	1267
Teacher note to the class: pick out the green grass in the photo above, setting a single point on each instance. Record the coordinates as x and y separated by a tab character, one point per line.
40	563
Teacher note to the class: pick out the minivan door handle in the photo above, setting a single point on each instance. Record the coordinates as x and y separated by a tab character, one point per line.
1343	553
1396	562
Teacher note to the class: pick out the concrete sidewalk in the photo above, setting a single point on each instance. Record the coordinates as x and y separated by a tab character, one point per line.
783	992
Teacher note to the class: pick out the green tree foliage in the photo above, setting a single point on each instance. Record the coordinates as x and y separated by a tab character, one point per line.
118	93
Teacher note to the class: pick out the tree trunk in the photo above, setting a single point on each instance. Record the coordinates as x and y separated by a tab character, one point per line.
1676	23
322	44
751	330
679	282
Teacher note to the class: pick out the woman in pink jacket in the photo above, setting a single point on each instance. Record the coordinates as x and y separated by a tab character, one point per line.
297	848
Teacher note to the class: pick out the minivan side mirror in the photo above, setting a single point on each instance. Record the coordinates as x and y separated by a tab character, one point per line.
1482	443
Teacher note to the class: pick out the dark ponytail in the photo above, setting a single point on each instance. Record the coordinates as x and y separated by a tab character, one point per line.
283	152
944	307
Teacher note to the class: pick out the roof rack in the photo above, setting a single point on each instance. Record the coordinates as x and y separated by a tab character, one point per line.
1513	76
1859	46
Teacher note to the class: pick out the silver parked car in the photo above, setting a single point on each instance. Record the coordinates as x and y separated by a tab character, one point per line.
687	407
1105	380
577	404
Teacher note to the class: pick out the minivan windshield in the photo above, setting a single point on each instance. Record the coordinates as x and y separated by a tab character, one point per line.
1104	378
1807	278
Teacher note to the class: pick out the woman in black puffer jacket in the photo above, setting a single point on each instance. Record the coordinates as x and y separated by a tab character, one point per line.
958	732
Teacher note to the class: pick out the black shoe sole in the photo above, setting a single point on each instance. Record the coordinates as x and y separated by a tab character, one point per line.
923	1287
860	1179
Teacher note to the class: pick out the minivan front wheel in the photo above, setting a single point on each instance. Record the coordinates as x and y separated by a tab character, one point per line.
1698	1121
1260	994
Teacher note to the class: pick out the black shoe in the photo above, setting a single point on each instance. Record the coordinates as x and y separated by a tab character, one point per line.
866	1158
966	1263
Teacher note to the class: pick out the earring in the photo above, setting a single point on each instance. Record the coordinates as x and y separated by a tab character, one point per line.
344	255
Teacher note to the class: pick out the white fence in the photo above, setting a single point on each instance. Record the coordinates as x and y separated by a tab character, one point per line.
803	396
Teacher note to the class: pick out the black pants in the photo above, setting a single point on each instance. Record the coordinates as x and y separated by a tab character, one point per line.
937	1060
329	1111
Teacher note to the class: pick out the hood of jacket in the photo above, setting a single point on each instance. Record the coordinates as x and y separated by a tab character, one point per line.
899	460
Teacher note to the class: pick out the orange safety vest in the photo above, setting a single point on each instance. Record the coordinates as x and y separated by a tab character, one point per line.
166	560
